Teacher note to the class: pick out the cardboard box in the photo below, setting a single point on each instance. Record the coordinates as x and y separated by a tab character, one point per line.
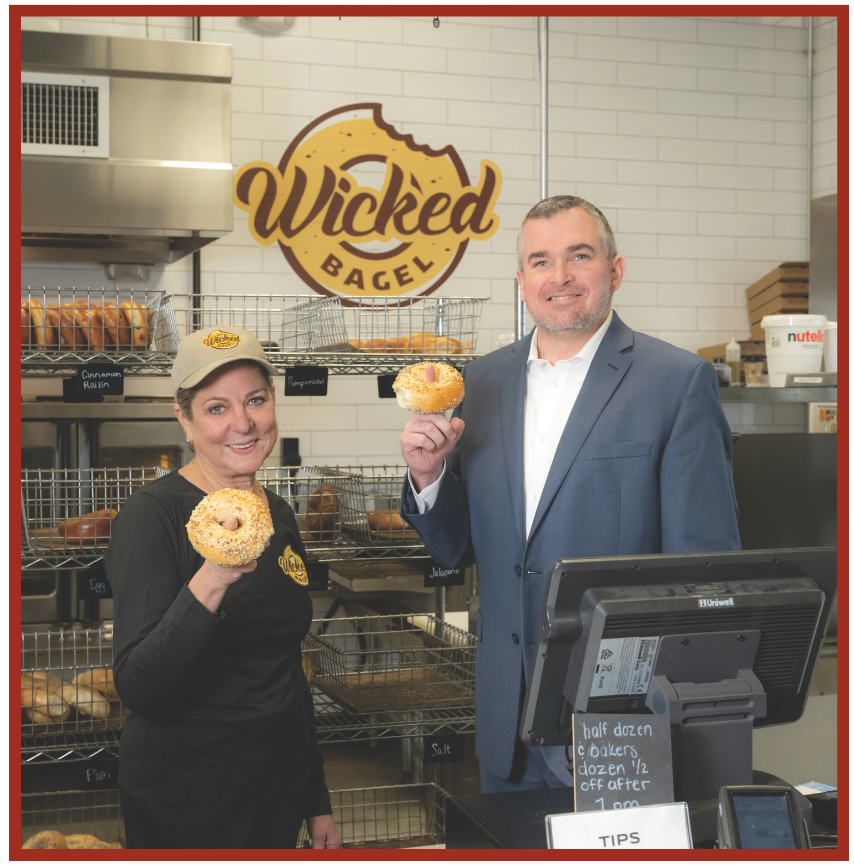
781	304
780	289
788	272
786	289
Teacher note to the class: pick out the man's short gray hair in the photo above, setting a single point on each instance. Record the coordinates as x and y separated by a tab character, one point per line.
551	207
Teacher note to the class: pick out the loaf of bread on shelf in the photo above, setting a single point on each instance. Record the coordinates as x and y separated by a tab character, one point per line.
56	840
418	343
424	341
115	325
40	678
307	668
88	701
447	346
87	841
387	345
137	317
44	336
388	521
91	529
100	679
71	334
322	507
42	701
89	321
26	337
46	840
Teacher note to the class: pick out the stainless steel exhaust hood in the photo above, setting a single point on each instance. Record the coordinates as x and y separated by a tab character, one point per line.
147	184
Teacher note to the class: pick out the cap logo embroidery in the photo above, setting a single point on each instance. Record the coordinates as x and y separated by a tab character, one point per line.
292	565
221	340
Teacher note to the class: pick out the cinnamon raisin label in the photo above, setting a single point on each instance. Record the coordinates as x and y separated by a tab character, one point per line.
359	209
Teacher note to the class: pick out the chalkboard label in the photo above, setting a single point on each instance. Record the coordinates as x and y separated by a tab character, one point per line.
444	748
384	385
92	583
71	395
438	576
306	381
98	773
621	760
99	379
318	576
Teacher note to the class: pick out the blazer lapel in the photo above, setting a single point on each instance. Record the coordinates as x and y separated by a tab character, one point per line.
606	371
514	373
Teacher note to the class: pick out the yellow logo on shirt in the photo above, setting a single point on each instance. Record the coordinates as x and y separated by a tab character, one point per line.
292	565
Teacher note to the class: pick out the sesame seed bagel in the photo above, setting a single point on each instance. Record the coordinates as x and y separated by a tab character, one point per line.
417	395
230	547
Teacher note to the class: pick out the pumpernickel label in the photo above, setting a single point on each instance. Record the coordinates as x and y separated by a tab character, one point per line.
292	565
359	209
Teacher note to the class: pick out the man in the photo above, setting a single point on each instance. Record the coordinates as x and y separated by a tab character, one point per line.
584	439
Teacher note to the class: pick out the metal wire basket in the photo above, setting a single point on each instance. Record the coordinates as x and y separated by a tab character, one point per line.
57	321
65	687
431	326
392	663
96	812
314	495
283	323
387	817
73	510
370	504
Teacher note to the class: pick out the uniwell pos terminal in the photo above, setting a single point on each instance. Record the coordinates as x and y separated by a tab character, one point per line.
760	817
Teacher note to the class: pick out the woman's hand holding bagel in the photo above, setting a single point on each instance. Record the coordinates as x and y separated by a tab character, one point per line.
209	584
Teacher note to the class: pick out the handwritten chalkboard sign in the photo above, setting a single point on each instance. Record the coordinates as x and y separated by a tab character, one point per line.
443	748
621	760
99	379
92	583
70	393
385	381
318	576
438	576
306	381
97	774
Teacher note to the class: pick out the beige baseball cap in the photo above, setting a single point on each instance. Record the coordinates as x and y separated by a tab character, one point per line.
204	351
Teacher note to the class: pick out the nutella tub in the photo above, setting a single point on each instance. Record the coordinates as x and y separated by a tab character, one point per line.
793	344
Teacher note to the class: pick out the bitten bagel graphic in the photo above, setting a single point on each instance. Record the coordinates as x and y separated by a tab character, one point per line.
344	238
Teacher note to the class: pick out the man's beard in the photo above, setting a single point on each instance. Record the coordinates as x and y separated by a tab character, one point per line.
581	322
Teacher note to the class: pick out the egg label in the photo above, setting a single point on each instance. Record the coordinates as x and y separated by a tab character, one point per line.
358	209
292	565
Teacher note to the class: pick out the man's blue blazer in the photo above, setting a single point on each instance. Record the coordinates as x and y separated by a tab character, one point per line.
644	466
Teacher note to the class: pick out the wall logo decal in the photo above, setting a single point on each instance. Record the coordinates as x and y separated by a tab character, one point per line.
358	209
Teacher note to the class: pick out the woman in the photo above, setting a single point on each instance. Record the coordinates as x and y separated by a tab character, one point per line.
220	749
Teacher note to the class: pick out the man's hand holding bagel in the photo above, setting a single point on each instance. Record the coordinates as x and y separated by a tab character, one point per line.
426	441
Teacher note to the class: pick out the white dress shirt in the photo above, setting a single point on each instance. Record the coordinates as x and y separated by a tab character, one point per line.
550	394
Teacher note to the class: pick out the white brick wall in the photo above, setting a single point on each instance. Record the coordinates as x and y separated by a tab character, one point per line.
688	132
824	108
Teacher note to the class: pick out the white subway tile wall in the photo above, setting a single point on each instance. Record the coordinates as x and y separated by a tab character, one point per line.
824	108
689	133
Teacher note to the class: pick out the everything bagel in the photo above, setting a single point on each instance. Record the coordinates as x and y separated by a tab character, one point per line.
417	395
230	547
